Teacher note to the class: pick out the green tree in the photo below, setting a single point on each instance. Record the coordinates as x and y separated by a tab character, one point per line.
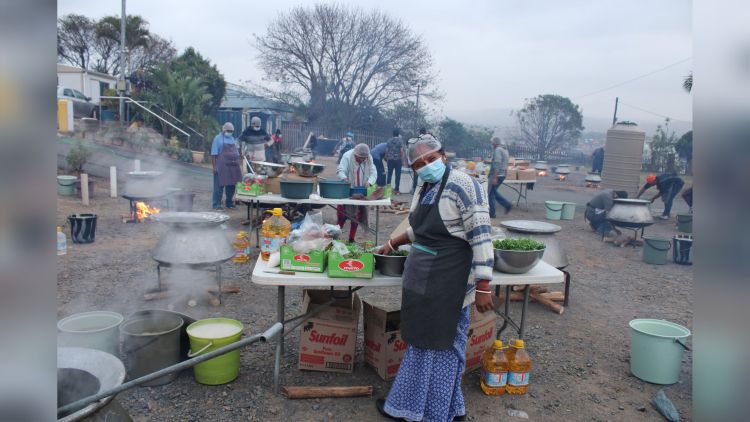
663	148
456	137
684	148
405	116
549	123
192	64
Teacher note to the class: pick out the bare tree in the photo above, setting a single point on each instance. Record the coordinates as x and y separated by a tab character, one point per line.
75	39
331	52
549	123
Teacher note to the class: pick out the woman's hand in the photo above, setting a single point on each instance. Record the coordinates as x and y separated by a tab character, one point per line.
386	249
483	296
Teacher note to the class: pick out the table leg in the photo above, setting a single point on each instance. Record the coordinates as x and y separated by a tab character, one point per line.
256	214
280	342
526	293
567	288
506	310
158	276
377	224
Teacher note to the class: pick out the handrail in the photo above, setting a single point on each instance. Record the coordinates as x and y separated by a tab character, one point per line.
145	108
174	117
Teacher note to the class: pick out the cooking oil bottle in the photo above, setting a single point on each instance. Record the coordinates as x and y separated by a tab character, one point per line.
494	369
519	368
273	233
62	242
241	247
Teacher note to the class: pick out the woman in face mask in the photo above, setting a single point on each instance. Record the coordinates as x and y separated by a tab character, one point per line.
448	269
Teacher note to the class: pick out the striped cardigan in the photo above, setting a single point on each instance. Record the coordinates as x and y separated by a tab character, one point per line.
464	209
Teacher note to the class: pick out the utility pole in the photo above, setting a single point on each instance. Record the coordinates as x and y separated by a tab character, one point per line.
121	83
419	84
614	118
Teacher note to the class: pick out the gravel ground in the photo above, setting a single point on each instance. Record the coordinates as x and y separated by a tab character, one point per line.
581	358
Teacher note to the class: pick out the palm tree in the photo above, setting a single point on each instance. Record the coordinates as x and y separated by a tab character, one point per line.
137	34
687	84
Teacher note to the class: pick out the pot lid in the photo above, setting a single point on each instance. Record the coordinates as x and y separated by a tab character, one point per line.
188	218
266	163
530	226
108	370
632	201
144	174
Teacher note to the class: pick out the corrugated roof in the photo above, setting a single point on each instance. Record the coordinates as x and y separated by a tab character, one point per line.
237	96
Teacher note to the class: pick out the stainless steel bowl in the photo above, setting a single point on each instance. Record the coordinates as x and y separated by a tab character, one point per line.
516	262
269	169
308	169
390	265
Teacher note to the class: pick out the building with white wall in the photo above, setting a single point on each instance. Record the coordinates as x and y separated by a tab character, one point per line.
90	83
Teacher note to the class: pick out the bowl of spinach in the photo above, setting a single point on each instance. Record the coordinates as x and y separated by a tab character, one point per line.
517	256
393	263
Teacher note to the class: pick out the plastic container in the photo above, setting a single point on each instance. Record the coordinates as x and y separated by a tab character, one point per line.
296	189
93	330
494	370
655	250
273	233
150	342
333	189
62	242
685	223
554	209
82	227
682	249
210	334
358	191
568	211
656	349
66	185
241	245
519	368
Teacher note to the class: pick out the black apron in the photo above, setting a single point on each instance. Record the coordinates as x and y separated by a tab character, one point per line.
228	165
435	277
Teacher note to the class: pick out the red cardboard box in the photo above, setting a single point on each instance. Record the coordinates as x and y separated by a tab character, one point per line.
327	341
481	334
384	348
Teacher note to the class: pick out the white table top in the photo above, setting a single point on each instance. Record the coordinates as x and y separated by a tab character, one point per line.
271	198
542	273
518	182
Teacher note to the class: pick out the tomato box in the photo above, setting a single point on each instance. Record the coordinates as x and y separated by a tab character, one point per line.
327	341
311	262
341	267
384	347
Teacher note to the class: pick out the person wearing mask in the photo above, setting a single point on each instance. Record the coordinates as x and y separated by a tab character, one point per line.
345	145
225	159
448	269
597	209
378	154
422	135
254	140
357	168
498	170
597	160
668	185
394	155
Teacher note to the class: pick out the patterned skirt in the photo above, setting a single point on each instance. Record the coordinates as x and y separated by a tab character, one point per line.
428	384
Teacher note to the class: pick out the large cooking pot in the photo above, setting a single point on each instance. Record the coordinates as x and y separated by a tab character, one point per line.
143	184
562	169
192	238
554	253
540	165
632	213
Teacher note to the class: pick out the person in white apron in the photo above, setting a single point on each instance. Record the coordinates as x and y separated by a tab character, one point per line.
254	141
449	267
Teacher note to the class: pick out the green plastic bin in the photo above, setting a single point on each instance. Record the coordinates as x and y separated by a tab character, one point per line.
66	185
656	350
221	369
554	209
568	211
655	250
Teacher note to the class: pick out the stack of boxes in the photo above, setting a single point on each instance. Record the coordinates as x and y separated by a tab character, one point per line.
519	170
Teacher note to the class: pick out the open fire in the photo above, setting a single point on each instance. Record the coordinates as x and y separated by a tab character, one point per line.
143	210
542	173
562	177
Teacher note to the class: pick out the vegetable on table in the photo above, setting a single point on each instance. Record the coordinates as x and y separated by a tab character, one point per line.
522	244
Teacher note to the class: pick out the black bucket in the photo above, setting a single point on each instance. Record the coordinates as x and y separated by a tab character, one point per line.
183	201
82	227
682	249
150	342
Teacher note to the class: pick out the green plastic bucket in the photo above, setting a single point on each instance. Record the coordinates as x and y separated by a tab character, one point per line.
66	185
655	250
568	211
210	334
685	223
656	349
554	209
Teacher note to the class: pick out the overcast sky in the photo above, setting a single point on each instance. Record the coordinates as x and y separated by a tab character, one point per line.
490	55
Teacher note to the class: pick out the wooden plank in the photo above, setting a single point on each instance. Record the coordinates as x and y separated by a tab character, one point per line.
326	392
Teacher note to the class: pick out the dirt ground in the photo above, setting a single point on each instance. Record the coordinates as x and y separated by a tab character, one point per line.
581	358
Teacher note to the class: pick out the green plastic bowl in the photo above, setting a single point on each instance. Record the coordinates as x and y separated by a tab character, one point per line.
296	189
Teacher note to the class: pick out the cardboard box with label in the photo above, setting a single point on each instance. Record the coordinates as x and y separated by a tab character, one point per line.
481	334
311	262
327	341
384	348
342	267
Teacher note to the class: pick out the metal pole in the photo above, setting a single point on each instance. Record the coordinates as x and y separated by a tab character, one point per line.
122	62
280	342
614	118
269	334
417	116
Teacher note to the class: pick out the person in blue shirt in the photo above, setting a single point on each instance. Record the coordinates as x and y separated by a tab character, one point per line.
378	154
225	159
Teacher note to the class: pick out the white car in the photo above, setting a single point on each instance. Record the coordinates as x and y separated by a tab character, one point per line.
82	105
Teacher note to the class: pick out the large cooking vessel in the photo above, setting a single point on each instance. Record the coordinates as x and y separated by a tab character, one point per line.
563	169
192	238
143	184
540	165
593	178
308	169
84	372
631	213
554	253
269	169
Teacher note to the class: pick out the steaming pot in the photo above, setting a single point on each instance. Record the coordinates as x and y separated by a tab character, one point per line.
632	213
192	238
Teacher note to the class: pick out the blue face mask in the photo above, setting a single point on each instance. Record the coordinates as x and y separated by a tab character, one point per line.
432	172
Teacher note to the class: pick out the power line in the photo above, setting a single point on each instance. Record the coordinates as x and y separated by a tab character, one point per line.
634	79
654	113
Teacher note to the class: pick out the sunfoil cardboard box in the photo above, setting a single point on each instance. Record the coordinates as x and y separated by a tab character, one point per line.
384	347
481	334
327	341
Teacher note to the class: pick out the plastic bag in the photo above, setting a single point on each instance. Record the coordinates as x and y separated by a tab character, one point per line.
311	235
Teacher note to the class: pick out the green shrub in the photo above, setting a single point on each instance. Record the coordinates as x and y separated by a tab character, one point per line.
77	157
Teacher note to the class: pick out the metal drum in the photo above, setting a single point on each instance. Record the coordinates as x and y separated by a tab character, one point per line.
192	238
554	253
630	213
